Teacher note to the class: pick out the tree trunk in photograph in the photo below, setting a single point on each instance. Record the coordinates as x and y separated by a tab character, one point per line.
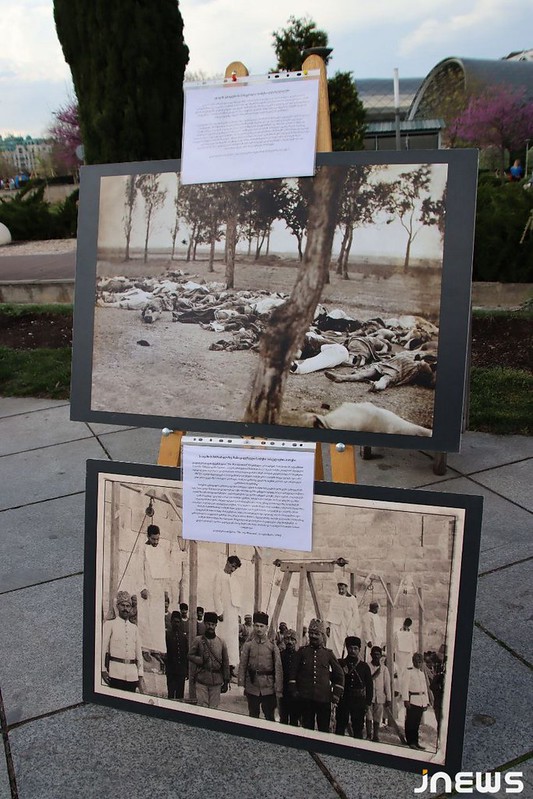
212	247
231	240
174	236
192	238
407	255
346	254
290	321
232	198
343	247
148	220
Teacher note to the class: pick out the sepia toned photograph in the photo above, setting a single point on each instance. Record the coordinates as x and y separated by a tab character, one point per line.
351	648
319	306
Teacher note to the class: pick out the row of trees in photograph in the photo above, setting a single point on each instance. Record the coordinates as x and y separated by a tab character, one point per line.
246	211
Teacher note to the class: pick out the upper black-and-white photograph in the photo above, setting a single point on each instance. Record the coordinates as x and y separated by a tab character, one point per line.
315	305
352	644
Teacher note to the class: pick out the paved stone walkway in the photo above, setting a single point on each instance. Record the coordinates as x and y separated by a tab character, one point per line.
59	748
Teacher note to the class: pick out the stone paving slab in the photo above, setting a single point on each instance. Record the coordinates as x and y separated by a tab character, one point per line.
41	645
485	451
5	790
364	781
396	468
12	406
513	481
504	606
497	726
101	429
41	542
527	778
93	752
29	431
139	445
506	531
45	473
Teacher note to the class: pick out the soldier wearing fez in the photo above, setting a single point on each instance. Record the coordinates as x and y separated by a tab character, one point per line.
260	670
358	689
209	655
177	663
316	679
122	661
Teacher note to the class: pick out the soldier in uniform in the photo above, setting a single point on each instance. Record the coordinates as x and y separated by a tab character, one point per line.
209	655
358	690
177	663
289	707
122	661
260	670
316	679
415	693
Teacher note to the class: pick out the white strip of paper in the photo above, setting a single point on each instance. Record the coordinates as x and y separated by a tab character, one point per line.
246	494
250	129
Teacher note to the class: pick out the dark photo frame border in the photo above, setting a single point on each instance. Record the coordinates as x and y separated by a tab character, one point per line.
454	326
472	506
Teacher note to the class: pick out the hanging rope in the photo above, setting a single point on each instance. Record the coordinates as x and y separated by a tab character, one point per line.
271	587
369	587
149	513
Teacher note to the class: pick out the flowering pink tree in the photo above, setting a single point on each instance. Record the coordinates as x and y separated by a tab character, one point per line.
500	117
66	134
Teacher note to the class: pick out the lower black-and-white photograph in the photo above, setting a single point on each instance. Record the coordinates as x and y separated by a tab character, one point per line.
350	649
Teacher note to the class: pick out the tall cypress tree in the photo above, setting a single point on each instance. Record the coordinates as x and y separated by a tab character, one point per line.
127	59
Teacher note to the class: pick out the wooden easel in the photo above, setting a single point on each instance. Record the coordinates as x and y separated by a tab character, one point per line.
343	465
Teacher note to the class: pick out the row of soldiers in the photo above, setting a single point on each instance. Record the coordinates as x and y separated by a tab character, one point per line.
308	686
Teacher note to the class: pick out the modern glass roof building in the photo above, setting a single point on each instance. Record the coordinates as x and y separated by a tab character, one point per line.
424	102
457	76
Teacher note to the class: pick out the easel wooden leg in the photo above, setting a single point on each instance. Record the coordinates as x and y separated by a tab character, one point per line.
170	449
343	468
319	462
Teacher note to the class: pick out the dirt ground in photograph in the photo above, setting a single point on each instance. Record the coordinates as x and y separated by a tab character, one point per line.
234	701
174	373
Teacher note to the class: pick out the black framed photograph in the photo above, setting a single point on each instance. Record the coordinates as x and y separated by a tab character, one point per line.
331	308
359	648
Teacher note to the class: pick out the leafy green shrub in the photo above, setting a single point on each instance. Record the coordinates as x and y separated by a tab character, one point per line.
29	217
502	215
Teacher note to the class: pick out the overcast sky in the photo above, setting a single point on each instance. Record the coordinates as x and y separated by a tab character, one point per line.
369	39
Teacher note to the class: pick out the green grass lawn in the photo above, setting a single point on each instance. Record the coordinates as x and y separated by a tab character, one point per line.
501	400
35	373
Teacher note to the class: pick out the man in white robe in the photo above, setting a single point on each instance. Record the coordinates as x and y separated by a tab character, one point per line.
342	619
404	648
154	574
227	604
374	627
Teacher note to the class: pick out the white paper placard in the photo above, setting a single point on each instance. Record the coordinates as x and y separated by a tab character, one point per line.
247	492
250	128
